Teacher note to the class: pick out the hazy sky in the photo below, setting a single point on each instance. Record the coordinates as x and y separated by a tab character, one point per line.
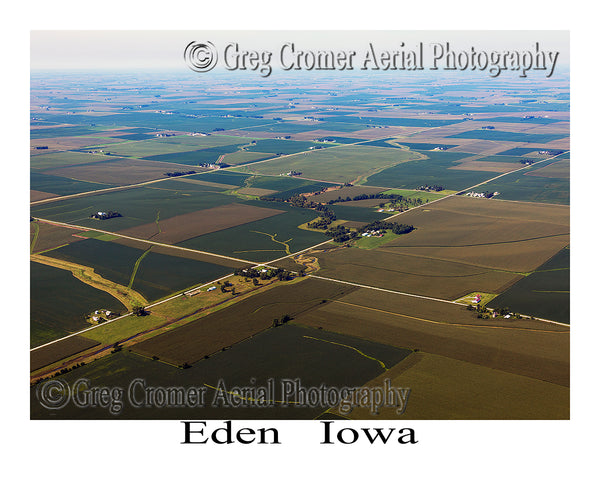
164	49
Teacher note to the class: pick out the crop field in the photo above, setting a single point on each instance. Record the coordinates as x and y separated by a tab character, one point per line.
560	169
500	136
244	319
434	170
485	166
396	122
66	131
443	388
118	171
262	240
398	143
159	121
61	144
196	157
340	164
243	156
287	352
416	275
199	142
544	293
285	147
61	185
227	178
183	227
507	236
54	315
161	275
144	148
154	275
519	151
53	353
356	213
525	186
44	236
541	353
64	159
287	127
137	206
283	183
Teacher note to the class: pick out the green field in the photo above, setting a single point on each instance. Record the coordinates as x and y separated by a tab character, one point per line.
61	185
63	132
156	275
225	177
544	293
195	157
253	242
315	357
357	214
501	136
431	171
340	164
413	146
56	313
523	187
63	159
137	205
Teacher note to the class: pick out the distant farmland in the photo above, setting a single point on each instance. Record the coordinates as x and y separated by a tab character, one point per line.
339	164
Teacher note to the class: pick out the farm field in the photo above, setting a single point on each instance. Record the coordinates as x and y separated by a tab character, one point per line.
227	327
434	170
529	186
262	240
416	275
44	236
443	388
154	275
499	136
53	353
487	233
286	352
48	161
541	353
61	185
340	164
544	293
117	171
54	315
183	227
137	206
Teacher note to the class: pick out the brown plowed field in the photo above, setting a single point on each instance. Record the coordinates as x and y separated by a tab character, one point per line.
543	355
182	227
231	325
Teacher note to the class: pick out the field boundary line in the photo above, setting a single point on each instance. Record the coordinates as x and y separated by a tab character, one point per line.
423	297
386	290
466	325
151	242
